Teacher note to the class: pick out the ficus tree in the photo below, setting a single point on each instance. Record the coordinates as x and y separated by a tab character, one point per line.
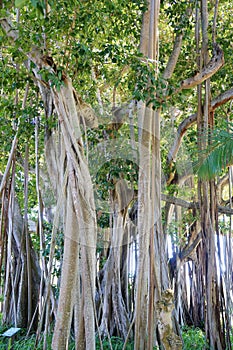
86	88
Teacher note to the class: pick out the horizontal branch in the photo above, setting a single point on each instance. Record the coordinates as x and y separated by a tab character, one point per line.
221	99
193	205
178	201
216	62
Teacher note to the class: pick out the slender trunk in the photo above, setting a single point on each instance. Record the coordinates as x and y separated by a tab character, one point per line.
69	277
28	255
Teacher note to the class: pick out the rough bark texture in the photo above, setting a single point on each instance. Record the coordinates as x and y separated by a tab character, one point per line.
81	201
15	306
207	197
152	320
114	307
208	71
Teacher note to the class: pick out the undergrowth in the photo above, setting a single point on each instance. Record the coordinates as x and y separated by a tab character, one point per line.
193	339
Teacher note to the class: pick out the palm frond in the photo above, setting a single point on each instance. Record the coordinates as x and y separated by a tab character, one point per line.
218	155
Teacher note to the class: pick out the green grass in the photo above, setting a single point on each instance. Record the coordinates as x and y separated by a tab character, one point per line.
24	343
117	344
193	339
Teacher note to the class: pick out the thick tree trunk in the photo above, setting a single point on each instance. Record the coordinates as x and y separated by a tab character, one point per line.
153	321
69	109
80	200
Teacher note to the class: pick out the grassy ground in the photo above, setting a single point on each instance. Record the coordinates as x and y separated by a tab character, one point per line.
192	338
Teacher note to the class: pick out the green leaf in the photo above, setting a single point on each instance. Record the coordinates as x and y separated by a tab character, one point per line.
218	155
20	3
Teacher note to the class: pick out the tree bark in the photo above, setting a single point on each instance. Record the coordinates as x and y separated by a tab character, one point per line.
153	322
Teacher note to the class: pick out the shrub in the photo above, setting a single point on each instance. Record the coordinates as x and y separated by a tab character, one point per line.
194	338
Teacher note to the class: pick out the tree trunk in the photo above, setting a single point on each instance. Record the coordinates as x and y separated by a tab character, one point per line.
116	312
207	197
154	299
15	306
80	200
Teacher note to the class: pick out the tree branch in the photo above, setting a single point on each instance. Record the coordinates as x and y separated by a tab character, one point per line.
173	57
193	205
183	127
185	253
9	164
216	62
189	121
8	28
35	55
221	99
178	201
